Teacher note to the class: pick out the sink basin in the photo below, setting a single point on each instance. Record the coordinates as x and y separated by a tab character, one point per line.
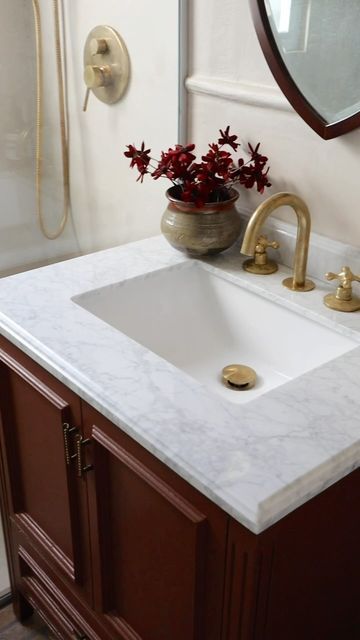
201	322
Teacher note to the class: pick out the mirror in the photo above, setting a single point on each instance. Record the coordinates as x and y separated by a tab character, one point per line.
311	47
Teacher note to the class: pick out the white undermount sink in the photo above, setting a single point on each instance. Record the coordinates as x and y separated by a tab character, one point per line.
201	322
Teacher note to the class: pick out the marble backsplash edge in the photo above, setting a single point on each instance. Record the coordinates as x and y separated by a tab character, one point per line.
325	254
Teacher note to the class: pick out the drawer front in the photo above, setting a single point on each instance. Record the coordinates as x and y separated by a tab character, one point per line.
61	614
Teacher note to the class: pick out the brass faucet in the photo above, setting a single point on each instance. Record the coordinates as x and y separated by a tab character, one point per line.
298	282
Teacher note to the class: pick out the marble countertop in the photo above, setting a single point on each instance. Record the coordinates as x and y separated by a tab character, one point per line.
258	461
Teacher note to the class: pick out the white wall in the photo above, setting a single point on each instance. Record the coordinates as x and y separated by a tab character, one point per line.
109	206
226	62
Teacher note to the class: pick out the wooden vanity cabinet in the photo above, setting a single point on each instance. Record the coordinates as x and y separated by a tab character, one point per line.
103	539
108	543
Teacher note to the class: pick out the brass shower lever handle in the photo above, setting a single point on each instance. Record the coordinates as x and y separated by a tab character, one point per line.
343	299
86	100
96	46
96	77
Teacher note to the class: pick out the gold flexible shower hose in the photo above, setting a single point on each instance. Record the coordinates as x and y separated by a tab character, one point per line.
40	118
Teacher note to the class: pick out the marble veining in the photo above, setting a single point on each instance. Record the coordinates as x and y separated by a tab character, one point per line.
257	461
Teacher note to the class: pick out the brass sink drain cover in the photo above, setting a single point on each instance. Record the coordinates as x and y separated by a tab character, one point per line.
239	376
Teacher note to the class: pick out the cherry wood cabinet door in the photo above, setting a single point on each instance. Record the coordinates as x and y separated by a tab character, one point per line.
46	500
158	545
299	579
315	575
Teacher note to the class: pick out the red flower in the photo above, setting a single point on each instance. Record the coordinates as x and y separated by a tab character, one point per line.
206	181
256	157
181	154
175	163
218	162
140	158
251	175
226	138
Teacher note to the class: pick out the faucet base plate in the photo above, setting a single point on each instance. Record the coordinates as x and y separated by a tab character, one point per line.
333	302
261	269
308	285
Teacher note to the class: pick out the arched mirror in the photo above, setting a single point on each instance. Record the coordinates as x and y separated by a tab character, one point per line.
312	49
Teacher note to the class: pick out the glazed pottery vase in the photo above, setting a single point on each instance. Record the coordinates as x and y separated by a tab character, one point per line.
201	231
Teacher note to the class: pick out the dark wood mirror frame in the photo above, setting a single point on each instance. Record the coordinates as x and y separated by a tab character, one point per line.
282	76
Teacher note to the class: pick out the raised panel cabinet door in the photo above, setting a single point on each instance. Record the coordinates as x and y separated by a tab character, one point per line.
45	498
158	545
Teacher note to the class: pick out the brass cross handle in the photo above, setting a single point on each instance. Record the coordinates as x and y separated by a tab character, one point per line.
346	277
263	243
260	263
343	299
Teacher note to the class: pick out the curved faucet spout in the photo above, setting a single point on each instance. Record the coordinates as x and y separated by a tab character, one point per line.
298	282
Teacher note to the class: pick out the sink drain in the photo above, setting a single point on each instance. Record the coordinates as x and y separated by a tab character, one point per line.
239	376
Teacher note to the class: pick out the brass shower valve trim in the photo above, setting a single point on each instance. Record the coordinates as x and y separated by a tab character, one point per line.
343	299
106	65
260	263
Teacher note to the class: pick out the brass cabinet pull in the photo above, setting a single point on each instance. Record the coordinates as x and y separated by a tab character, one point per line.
80	443
67	430
66	443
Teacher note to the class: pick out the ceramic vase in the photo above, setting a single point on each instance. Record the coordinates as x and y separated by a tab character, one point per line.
204	230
